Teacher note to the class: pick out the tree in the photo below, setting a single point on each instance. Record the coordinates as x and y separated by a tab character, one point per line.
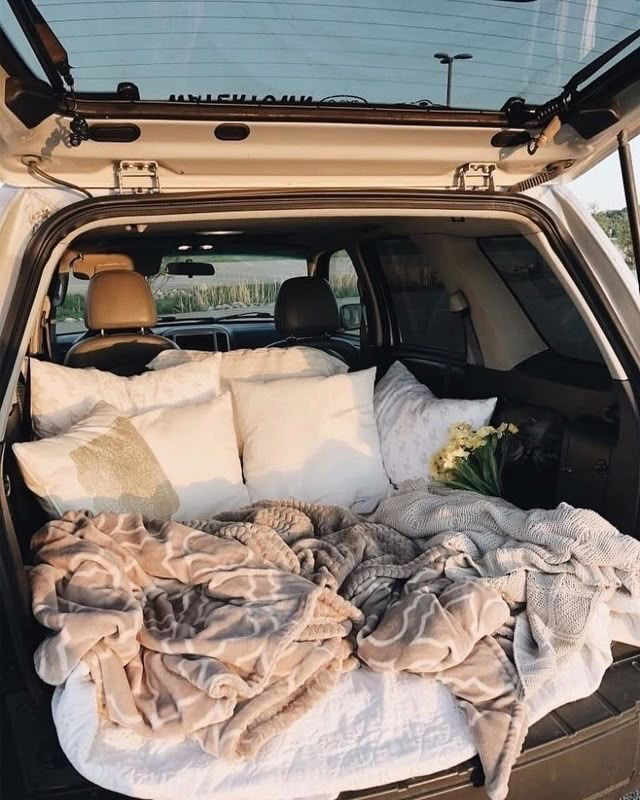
615	223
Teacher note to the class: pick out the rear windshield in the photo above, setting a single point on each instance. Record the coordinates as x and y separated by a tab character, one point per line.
242	284
365	51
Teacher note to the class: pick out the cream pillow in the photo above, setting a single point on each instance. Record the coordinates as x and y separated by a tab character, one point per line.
263	363
170	463
414	424
61	396
312	439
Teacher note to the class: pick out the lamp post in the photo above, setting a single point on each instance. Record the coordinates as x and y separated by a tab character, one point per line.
445	58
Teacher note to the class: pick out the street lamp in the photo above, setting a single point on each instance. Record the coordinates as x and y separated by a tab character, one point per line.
445	58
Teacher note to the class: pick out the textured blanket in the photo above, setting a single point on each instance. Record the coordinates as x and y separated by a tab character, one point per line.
186	633
229	629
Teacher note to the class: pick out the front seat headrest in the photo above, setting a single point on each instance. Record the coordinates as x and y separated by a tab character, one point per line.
306	306
119	300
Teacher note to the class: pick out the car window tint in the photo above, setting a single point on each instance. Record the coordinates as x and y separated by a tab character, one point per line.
541	295
420	299
344	282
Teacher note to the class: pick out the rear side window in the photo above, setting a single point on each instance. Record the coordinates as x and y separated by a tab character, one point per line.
344	282
541	295
420	299
70	315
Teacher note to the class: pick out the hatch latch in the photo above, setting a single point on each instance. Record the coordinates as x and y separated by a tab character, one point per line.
138	177
476	176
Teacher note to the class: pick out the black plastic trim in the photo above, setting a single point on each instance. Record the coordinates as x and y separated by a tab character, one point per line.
105	132
32	101
231	132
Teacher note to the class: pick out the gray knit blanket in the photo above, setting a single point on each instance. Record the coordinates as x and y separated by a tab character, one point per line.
226	630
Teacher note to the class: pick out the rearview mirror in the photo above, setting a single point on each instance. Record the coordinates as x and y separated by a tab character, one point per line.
350	316
190	268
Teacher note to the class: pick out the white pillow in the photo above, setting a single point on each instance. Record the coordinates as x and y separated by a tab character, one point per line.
61	396
263	363
171	463
312	439
414	424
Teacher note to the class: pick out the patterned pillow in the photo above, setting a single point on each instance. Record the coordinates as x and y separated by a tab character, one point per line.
60	396
172	463
413	423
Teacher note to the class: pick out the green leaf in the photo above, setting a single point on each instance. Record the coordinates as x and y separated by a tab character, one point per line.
469	474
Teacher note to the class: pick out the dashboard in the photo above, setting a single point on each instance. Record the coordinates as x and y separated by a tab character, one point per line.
205	336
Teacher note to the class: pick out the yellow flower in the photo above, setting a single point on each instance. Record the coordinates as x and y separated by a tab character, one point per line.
484	431
463	440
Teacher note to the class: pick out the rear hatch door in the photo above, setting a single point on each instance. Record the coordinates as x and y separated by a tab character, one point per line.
180	94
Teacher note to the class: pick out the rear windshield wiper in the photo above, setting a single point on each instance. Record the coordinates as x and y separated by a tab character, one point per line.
545	112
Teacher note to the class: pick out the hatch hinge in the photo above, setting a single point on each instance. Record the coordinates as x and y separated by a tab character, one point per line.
476	176
137	177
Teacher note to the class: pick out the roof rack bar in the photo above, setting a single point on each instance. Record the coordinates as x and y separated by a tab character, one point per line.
631	195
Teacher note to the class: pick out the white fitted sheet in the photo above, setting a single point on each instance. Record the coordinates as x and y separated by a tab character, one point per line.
371	730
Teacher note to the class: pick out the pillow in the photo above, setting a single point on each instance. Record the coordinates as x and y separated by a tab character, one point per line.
313	439
170	463
414	424
263	363
60	396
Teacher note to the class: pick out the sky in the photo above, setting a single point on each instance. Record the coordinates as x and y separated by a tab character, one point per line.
602	185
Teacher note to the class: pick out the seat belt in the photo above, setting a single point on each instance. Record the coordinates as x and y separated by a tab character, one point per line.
46	329
25	401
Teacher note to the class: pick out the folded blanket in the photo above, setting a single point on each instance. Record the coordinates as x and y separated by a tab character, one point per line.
229	629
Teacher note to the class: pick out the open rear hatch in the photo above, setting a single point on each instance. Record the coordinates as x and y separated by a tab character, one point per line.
185	95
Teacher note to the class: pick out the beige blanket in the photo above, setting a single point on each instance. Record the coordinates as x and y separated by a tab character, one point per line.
187	634
227	630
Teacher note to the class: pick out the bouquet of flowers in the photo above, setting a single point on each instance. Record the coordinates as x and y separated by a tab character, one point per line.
473	459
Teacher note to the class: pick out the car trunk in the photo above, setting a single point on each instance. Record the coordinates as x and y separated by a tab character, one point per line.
355	133
586	748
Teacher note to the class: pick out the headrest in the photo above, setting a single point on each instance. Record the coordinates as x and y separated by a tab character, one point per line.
306	306
86	265
119	300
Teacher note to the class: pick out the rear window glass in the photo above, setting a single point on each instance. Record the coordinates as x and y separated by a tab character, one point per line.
541	295
365	51
420	299
343	279
241	284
